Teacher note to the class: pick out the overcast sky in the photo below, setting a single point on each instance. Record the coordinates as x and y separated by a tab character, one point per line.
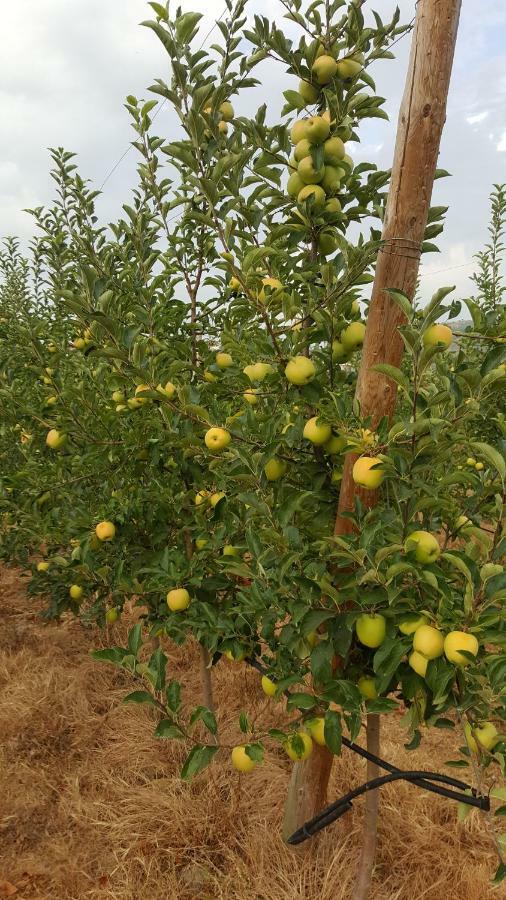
67	66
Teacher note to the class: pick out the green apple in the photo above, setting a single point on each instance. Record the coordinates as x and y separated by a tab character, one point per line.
324	68
348	68
217	439
302	149
367	687
300	748
353	336
367	472
333	151
300	370
274	469
308	172
295	185
312	192
371	629
227	110
438	334
428	641
316	728
112	615
230	550
55	439
224	360
200	543
308	92
331	180
317	129
299	131
335	444
454	642
338	350
258	371
317	432
76	592
333	206
486	735
418	663
410	624
424	545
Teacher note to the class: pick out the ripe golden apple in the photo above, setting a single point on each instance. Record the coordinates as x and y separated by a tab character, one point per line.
112	615
223	127
268	686
312	192
201	497
353	336
424	545
295	185
224	360
308	172
418	663
227	110
299	754
42	566
55	439
317	129
105	531
300	370
51	401
484	735
324	68
241	761
367	687
230	550
454	642
216	497
428	641
479	466
140	390
409	626
258	371
367	472
168	390
178	599
274	469
317	432
299	130
308	92
79	343
217	439
438	334
371	629
348	68
333	151
273	286
316	728
76	592
302	149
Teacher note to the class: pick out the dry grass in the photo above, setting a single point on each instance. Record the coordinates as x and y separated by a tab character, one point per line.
92	806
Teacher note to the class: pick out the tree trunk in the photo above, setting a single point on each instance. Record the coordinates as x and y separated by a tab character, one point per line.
421	119
307	792
369	828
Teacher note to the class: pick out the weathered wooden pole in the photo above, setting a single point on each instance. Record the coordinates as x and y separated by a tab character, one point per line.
421	119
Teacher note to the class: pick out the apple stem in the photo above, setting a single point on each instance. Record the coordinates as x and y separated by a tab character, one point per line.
370	823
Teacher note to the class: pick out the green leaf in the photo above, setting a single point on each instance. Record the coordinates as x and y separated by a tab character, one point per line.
205	715
173	696
332	731
167	729
140	697
500	874
386	660
198	759
244	722
392	372
113	655
135	639
186	24
401	300
300	701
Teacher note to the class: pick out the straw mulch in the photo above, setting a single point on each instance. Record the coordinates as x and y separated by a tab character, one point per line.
91	805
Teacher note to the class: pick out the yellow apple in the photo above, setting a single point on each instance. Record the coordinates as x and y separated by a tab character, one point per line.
317	432
117	396
112	615
470	461
367	472
338	350
479	466
331	180
454	642
216	497
316	728
371	629
234	284
134	402
324	69
348	68
409	626
55	439
333	206
353	336
168	391
76	592
258	371
299	130
140	390
438	334
224	360
274	469
486	735
335	444
308	92
79	343
223	127
424	545
312	192
241	761
293	752
210	377
42	566
105	531
418	663
250	396
308	172
294	185
201	497
230	550
302	149
200	543
51	401
367	687
428	641
300	370
333	151
268	686
217	439
178	599
227	110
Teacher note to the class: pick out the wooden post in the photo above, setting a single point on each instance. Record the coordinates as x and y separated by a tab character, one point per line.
421	119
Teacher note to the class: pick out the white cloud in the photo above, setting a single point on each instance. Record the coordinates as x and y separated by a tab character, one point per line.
479	117
501	146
